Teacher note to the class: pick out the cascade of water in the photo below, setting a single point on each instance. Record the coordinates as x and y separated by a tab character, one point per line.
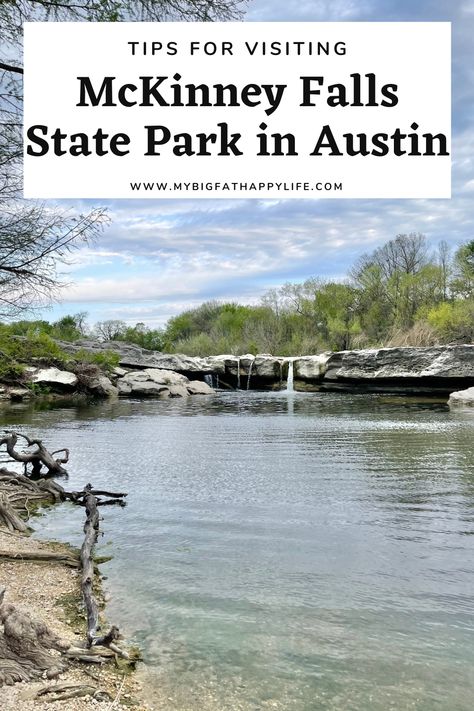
289	379
208	379
217	381
238	373
250	374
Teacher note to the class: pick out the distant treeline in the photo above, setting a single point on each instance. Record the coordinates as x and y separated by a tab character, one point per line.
403	293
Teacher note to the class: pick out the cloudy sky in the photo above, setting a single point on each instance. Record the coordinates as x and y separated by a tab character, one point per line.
160	257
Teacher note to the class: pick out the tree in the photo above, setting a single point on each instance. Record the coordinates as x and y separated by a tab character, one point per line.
14	12
463	282
34	238
152	339
70	328
34	241
110	330
444	261
394	267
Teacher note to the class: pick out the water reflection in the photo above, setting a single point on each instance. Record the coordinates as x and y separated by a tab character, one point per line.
289	551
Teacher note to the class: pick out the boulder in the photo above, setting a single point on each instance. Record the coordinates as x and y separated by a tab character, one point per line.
462	398
124	387
168	377
178	391
61	380
156	382
310	368
135	376
19	394
267	367
148	389
139	384
197	387
101	386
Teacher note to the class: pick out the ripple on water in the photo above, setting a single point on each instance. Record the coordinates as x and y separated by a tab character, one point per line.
285	551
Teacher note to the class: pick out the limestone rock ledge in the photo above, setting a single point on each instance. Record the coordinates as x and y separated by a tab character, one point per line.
438	369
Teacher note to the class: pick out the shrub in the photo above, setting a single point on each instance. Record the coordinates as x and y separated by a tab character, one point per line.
105	360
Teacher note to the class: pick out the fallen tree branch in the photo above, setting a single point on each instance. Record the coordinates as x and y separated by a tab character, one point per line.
38	458
91	533
17	493
63	692
9	517
41	556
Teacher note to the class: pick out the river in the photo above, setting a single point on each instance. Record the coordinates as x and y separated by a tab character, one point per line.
283	551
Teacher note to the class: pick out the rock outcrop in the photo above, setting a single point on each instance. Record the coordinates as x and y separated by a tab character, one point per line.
438	369
155	382
53	378
132	356
434	370
309	370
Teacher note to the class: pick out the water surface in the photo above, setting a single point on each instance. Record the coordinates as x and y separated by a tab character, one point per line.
283	551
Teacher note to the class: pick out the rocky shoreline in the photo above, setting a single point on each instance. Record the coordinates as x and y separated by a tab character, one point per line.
438	370
50	593
55	644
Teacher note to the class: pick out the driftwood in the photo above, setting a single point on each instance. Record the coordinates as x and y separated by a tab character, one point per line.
25	647
63	692
38	458
42	557
91	533
9	516
18	492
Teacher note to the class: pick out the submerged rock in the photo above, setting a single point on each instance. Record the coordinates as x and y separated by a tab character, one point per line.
18	394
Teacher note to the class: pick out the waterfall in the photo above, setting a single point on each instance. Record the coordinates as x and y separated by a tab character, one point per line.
250	374
238	373
209	380
290	376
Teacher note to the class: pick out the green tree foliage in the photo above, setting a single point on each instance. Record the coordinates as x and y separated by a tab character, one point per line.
400	294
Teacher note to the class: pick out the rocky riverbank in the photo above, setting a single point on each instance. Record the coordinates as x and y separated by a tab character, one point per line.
439	370
50	593
55	645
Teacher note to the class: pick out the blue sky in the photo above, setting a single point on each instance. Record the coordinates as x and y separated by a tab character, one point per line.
158	258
